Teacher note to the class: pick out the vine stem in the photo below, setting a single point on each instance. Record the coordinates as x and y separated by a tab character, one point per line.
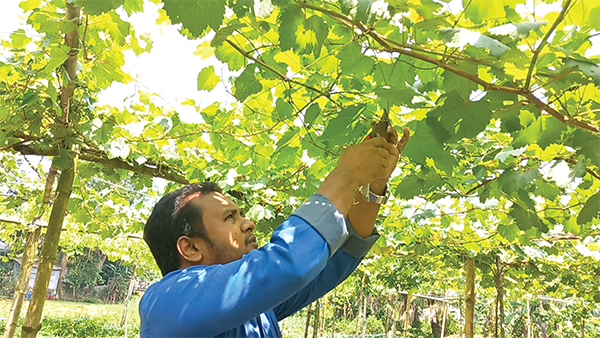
536	53
394	46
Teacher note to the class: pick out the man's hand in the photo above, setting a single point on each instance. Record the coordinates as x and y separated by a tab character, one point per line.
363	214
378	186
370	161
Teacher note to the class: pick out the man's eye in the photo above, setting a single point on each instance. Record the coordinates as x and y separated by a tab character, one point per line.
230	216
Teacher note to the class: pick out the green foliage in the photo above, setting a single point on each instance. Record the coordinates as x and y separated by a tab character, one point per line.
84	271
81	327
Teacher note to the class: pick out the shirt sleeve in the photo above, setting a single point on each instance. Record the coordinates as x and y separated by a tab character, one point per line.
338	268
207	300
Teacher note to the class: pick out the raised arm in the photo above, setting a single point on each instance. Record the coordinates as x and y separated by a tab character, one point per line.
362	214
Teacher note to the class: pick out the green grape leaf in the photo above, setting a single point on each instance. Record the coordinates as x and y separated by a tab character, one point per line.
590	210
512	180
586	144
284	109
354	62
247	84
428	142
462	118
316	24
289	20
525	219
58	55
517	30
589	68
460	38
131	6
196	15
207	80
225	32
63	161
311	113
95	7
478	10
509	232
363	11
345	127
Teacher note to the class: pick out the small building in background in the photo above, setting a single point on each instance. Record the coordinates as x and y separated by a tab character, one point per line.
52	286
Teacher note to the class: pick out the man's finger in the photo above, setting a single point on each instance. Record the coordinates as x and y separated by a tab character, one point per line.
378	142
402	143
392	135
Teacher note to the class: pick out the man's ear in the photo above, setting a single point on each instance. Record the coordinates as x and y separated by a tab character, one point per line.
191	250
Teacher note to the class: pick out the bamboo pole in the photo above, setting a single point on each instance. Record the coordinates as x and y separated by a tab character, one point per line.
364	326
445	314
470	298
528	321
362	288
317	318
308	313
333	315
31	246
406	309
31	324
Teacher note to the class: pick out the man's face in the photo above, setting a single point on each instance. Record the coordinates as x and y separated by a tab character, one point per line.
229	231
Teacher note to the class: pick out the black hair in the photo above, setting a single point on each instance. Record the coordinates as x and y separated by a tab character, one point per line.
171	218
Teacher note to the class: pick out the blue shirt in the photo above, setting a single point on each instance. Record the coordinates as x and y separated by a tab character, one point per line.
308	255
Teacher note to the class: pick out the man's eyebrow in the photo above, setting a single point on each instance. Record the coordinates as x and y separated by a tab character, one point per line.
231	210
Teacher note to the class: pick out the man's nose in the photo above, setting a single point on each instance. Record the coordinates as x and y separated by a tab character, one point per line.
248	225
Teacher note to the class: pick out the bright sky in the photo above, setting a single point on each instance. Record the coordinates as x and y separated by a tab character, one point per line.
170	69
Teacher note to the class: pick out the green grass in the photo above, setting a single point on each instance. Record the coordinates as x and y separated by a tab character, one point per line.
106	314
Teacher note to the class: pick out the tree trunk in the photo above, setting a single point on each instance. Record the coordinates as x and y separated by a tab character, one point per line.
317	318
31	324
64	261
308	313
31	246
360	298
470	298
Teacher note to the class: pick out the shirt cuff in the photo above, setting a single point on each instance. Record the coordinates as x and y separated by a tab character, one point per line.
357	246
324	217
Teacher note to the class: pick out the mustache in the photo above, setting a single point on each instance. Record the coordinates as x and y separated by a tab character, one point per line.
250	239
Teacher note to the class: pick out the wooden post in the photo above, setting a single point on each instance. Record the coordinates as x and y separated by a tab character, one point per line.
543	325
364	326
333	315
470	298
308	313
317	318
529	335
445	314
406	309
362	288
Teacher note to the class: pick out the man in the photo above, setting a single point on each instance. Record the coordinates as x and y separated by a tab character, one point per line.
217	282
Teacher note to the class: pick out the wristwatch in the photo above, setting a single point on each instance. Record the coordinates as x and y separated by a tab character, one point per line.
377	199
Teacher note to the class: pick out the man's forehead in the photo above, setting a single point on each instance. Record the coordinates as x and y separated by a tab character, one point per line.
214	199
